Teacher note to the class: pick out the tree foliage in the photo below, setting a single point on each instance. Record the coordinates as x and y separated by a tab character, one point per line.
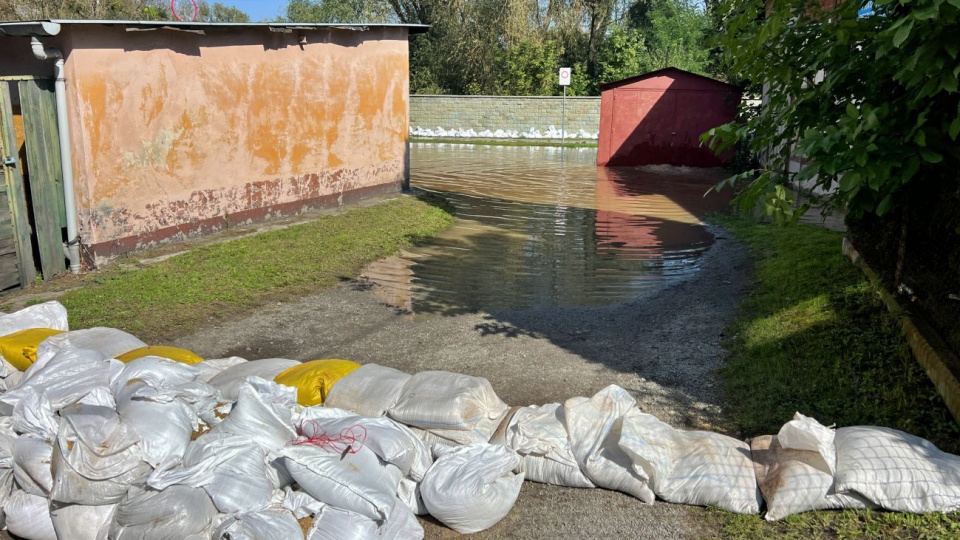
150	10
217	12
868	103
516	46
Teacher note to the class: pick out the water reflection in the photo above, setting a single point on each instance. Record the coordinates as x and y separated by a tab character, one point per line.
543	227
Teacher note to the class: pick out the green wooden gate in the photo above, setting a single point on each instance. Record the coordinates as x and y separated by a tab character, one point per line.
32	214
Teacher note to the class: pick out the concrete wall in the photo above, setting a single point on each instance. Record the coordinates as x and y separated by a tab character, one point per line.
176	133
506	113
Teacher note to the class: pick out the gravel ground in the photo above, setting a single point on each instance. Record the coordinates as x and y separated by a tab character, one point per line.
663	348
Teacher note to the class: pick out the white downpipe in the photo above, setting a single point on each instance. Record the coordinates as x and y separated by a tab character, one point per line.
72	247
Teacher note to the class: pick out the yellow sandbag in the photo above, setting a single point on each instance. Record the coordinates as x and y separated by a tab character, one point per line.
20	348
313	380
173	353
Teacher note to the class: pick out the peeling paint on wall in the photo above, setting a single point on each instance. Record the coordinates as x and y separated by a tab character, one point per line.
172	128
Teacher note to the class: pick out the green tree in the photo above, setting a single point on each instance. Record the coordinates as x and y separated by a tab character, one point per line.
14	10
529	68
221	13
675	32
623	55
869	103
336	11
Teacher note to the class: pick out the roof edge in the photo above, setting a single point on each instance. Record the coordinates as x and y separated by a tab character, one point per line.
649	74
52	26
30	28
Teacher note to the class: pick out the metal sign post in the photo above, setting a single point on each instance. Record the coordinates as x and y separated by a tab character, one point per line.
564	82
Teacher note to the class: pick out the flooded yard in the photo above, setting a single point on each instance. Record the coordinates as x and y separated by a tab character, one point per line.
556	280
545	227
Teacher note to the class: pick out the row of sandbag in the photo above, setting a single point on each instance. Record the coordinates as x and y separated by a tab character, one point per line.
606	441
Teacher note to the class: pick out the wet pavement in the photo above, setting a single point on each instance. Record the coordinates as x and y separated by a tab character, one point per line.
544	227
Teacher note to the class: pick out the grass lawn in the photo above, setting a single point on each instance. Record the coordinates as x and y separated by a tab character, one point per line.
176	296
814	337
509	142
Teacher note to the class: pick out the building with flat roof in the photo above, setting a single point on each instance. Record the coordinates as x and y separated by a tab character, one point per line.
177	129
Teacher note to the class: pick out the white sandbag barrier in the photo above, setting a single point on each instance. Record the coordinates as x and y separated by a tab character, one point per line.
92	448
471	488
370	390
539	436
691	467
452	406
593	427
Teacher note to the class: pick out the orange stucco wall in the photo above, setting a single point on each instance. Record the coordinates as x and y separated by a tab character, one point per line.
175	133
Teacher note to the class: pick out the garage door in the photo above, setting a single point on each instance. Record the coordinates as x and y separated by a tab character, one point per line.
663	127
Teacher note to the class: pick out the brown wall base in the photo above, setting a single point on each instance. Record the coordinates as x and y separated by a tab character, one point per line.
97	255
930	350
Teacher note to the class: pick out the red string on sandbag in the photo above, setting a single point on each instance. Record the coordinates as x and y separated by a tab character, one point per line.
349	441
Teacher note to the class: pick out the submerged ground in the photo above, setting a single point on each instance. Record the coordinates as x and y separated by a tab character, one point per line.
555	280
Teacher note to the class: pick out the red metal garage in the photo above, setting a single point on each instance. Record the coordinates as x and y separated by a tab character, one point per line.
657	118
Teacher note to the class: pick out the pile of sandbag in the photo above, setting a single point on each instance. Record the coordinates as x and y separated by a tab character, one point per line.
105	437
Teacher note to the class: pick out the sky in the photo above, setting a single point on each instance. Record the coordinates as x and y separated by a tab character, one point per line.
258	9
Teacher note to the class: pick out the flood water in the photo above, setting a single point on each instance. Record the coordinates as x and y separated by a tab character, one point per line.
545	227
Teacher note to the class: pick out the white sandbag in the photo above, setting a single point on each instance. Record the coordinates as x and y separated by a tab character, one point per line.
6	490
96	457
345	476
65	378
228	381
332	523
270	524
805	433
538	434
205	401
691	467
795	481
301	504
47	315
109	342
33	415
163	423
172	514
409	494
234	471
263	414
9	375
440	400
28	517
472	488
336	524
31	465
370	390
391	442
101	396
795	470
594	426
897	471
430	439
155	371
212	367
402	524
8	439
78	522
